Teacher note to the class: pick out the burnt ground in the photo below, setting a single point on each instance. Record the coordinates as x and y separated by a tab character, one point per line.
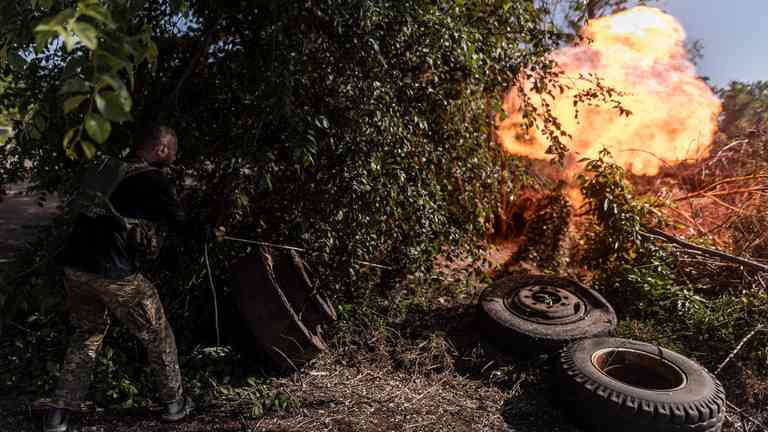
425	372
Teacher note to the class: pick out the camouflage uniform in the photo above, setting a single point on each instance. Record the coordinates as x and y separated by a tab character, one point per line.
135	302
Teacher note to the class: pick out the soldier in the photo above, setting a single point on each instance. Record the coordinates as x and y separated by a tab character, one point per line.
101	277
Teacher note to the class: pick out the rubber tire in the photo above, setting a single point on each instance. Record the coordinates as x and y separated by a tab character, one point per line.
269	314
600	403
516	334
294	277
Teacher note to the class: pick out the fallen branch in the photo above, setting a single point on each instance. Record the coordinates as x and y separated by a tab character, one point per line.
738	348
723	203
708	189
734	179
706	194
724	149
706	251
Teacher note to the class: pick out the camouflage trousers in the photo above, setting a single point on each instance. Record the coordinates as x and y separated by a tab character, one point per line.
134	302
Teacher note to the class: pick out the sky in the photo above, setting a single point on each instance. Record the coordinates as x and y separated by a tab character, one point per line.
734	34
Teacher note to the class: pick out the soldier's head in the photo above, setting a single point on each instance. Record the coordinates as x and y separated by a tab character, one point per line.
157	145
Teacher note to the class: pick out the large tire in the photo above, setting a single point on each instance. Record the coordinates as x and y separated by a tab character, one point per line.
612	384
264	292
515	320
294	278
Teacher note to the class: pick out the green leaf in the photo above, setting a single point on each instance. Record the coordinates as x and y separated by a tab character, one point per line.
74	66
119	86
68	142
74	85
88	149
98	127
16	61
131	77
98	12
69	41
179	6
152	52
113	81
40	121
56	23
42	39
114	62
87	34
111	107
73	102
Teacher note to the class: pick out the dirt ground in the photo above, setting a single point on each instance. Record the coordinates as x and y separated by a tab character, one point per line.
19	215
367	390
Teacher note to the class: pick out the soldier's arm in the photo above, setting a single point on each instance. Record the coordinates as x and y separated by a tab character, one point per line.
165	205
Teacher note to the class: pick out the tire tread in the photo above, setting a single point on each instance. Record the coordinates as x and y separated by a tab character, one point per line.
705	415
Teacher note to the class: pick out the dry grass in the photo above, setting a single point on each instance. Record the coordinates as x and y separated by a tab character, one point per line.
332	397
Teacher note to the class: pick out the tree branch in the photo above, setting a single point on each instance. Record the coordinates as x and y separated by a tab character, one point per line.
738	348
706	251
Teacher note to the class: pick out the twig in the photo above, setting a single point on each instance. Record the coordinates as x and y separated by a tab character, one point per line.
261	243
706	251
760	279
707	189
190	68
20	327
699	194
430	390
722	224
213	292
687	217
420	424
722	203
743	423
720	153
738	348
752	419
734	179
278	246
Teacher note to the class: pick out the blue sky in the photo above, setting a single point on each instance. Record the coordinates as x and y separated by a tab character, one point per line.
734	33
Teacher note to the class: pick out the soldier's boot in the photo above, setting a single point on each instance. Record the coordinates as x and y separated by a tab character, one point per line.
56	420
175	411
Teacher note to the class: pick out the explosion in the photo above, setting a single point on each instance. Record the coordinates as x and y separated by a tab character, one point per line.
640	53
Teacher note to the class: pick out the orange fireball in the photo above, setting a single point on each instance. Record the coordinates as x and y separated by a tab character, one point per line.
639	52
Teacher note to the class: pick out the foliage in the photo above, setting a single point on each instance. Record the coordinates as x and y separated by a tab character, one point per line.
95	76
355	129
745	106
29	352
659	292
619	215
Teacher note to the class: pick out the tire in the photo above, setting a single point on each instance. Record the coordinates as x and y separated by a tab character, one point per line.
267	310
293	276
612	384
515	321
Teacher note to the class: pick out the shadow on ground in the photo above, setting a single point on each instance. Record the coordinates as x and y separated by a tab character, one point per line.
529	380
535	409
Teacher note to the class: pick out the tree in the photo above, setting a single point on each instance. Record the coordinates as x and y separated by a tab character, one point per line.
357	129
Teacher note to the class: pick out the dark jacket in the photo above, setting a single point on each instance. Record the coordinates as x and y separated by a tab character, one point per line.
99	245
